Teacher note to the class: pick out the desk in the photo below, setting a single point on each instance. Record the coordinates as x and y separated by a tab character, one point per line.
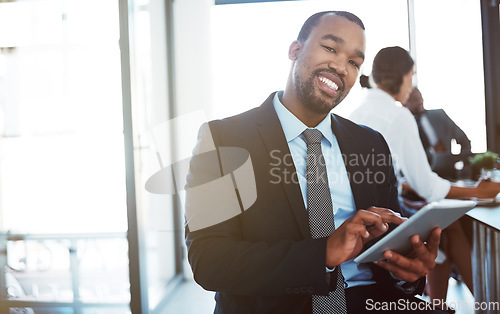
486	257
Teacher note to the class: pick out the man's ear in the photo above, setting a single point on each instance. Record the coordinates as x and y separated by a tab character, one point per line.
294	49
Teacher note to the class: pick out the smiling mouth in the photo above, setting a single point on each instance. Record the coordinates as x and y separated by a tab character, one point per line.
329	83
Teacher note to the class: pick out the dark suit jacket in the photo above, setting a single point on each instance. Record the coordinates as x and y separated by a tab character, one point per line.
445	130
264	259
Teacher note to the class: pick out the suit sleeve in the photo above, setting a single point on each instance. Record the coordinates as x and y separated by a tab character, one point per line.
221	257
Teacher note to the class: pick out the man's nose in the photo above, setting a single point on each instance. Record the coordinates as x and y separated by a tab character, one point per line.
339	67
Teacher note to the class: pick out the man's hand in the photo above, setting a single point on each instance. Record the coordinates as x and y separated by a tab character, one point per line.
486	189
418	264
347	241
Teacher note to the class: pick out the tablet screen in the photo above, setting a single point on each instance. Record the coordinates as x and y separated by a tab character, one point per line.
436	214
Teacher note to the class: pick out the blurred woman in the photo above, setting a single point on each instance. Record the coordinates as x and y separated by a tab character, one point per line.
381	110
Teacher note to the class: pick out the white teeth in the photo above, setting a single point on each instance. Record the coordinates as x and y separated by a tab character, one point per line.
330	84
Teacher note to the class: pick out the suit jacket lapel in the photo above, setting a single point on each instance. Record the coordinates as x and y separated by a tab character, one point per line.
271	133
349	148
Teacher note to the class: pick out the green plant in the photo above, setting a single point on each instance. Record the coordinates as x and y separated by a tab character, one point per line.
486	160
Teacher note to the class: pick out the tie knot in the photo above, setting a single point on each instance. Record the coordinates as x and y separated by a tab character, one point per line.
312	136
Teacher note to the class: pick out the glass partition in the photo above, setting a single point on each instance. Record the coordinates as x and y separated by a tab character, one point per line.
158	225
62	177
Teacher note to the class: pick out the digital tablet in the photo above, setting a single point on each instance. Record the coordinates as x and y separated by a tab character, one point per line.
436	214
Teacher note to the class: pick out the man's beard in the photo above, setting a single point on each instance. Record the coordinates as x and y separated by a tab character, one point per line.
306	94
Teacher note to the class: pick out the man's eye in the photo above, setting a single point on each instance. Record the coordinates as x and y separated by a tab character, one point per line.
354	63
330	49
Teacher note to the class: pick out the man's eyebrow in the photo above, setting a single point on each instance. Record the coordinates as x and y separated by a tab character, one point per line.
334	38
339	40
360	54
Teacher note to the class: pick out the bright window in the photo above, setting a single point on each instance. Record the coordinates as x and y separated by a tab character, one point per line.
62	172
62	161
251	41
450	63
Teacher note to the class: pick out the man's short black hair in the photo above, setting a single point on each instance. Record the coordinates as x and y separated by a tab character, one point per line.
364	81
314	19
389	66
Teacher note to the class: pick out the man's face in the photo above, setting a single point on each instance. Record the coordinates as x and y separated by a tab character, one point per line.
415	102
327	63
406	87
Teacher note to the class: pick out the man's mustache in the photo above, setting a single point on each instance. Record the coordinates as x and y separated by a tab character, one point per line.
333	72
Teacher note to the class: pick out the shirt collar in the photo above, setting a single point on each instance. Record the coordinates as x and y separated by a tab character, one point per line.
293	127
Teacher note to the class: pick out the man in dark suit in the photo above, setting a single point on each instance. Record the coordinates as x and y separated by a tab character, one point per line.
436	128
259	253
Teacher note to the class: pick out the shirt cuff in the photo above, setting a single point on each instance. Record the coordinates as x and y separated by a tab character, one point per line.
440	189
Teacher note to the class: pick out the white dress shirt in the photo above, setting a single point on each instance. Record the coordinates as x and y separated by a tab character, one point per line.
429	130
340	188
397	125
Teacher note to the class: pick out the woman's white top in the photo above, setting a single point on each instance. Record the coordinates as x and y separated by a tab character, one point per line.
381	112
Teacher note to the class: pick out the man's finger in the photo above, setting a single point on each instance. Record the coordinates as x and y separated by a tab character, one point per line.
399	260
376	232
398	272
434	239
368	219
357	230
388	215
419	247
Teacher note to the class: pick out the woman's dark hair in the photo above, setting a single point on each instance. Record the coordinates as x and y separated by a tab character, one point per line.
389	67
313	20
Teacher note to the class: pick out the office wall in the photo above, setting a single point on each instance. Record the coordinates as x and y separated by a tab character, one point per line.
192	55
